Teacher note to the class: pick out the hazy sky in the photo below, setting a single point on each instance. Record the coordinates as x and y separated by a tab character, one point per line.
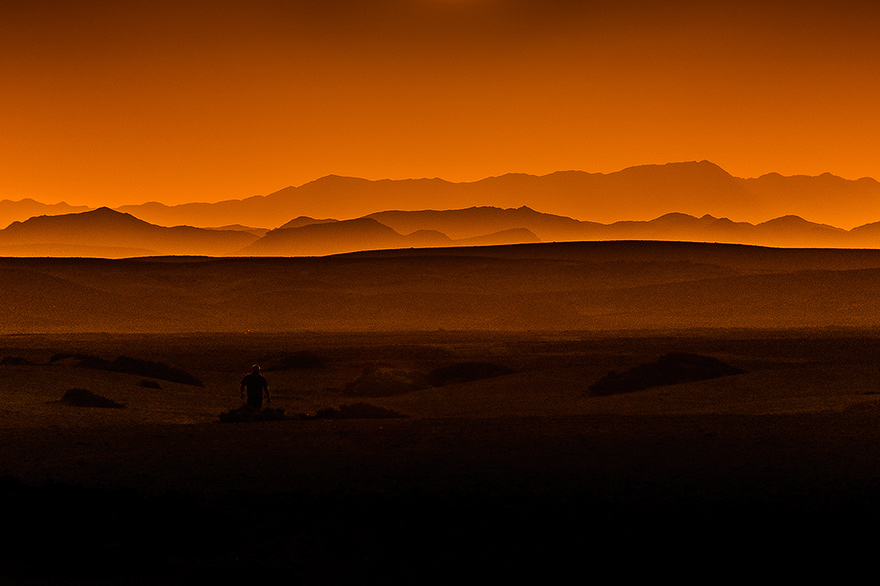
109	102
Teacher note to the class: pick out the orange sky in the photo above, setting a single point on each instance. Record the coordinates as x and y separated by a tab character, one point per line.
107	103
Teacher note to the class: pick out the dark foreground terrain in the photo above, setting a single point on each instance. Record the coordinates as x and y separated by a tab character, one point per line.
516	471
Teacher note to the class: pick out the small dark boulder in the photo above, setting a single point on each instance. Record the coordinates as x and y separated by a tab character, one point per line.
128	365
382	381
153	369
669	369
85	398
465	372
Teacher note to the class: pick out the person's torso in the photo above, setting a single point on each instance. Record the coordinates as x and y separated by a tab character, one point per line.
254	382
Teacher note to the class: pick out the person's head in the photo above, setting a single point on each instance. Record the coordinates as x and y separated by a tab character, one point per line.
255	368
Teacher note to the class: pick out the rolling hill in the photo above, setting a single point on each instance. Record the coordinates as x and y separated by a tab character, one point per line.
786	231
325	237
592	286
107	233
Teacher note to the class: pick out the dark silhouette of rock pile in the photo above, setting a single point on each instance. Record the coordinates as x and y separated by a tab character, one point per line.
465	372
669	369
129	365
383	381
85	398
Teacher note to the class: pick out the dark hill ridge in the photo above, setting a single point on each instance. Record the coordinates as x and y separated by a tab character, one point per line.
323	238
669	369
693	188
478	220
305	221
12	211
567	286
111	232
788	231
523	225
318	239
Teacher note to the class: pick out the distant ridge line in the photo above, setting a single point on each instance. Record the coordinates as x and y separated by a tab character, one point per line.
108	233
642	193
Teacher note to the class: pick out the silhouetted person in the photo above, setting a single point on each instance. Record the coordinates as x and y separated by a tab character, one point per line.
255	385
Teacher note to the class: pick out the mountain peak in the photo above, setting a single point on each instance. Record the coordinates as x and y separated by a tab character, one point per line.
102	215
796	222
789	219
105	212
702	166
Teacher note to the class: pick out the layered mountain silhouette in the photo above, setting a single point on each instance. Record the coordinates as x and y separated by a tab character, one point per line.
107	233
333	237
111	234
637	193
18	211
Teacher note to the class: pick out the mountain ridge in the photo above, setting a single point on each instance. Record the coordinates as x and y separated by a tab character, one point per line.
692	187
112	234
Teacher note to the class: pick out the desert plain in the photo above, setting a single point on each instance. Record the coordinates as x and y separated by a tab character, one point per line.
508	468
523	473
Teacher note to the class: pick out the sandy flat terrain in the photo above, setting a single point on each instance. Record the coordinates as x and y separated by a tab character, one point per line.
523	472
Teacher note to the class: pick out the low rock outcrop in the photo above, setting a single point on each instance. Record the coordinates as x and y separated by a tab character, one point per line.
669	369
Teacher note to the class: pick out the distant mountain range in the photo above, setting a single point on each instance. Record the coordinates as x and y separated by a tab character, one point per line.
112	234
637	193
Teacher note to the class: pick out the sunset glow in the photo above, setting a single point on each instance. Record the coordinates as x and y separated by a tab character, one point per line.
108	103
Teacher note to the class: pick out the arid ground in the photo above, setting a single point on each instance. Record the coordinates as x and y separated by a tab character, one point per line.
520	474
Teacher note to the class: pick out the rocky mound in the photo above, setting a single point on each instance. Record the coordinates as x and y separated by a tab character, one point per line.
465	372
385	381
85	398
129	365
669	369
